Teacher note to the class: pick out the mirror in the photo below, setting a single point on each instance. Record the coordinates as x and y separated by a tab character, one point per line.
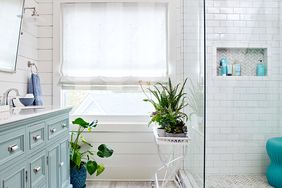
11	12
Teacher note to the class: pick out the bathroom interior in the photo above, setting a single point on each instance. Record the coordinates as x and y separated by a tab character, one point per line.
87	59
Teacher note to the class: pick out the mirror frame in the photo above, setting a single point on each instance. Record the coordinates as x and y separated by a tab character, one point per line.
14	70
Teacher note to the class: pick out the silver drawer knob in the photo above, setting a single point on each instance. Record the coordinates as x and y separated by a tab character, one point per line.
36	138
53	130
13	148
37	169
64	125
61	164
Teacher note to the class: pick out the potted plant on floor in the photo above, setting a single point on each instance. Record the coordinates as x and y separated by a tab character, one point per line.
82	156
168	102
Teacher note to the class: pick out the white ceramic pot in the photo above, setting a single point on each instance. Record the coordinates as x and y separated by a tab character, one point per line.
161	132
175	135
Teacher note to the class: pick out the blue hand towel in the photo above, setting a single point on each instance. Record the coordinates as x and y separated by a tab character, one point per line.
34	88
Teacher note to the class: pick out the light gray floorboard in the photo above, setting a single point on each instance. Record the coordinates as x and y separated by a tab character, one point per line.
124	185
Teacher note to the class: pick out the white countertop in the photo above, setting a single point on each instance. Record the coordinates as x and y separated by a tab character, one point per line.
17	114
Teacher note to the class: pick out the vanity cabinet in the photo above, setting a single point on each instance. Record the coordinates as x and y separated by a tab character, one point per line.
58	165
53	167
15	177
34	152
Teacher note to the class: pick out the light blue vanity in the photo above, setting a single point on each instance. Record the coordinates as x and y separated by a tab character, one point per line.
34	149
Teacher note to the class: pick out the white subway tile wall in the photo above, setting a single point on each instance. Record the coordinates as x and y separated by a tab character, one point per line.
242	112
280	68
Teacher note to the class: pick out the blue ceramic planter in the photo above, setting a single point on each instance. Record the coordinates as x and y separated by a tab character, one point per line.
78	177
274	171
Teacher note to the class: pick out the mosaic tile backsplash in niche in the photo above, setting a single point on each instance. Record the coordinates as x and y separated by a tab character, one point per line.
248	58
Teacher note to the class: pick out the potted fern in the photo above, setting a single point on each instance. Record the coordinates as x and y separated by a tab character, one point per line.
168	102
82	156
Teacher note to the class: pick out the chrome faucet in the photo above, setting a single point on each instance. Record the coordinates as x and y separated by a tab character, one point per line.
6	100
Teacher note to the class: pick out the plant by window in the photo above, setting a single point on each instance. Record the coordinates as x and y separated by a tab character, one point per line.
168	102
81	153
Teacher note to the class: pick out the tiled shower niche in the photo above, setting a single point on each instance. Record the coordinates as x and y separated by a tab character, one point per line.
248	58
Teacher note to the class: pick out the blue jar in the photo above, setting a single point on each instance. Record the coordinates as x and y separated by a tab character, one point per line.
260	69
223	64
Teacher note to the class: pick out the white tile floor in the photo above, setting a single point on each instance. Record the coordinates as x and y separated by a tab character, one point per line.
237	182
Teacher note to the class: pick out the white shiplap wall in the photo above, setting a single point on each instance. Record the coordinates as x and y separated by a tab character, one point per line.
35	46
45	52
27	52
135	153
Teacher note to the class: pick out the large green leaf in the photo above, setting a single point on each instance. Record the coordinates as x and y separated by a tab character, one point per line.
81	122
91	167
100	169
104	151
76	158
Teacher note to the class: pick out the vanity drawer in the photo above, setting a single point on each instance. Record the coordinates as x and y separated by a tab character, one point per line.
12	145
36	135
37	168
56	128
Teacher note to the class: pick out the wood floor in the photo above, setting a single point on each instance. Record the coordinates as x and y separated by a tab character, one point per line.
123	185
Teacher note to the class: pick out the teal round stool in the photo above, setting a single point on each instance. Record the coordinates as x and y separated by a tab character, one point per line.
274	171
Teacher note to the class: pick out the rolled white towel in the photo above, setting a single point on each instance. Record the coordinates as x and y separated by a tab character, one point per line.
29	95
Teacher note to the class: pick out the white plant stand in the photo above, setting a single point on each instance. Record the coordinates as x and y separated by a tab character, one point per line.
171	163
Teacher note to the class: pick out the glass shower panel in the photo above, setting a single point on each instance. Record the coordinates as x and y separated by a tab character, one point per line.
280	71
193	66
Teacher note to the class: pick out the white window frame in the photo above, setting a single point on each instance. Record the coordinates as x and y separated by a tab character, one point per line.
57	38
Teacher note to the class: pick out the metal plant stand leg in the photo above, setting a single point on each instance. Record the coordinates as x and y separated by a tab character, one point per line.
170	163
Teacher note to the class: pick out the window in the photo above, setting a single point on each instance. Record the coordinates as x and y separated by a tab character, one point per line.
112	45
106	102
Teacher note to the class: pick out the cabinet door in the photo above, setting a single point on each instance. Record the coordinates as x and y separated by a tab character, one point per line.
64	163
53	167
15	177
37	169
